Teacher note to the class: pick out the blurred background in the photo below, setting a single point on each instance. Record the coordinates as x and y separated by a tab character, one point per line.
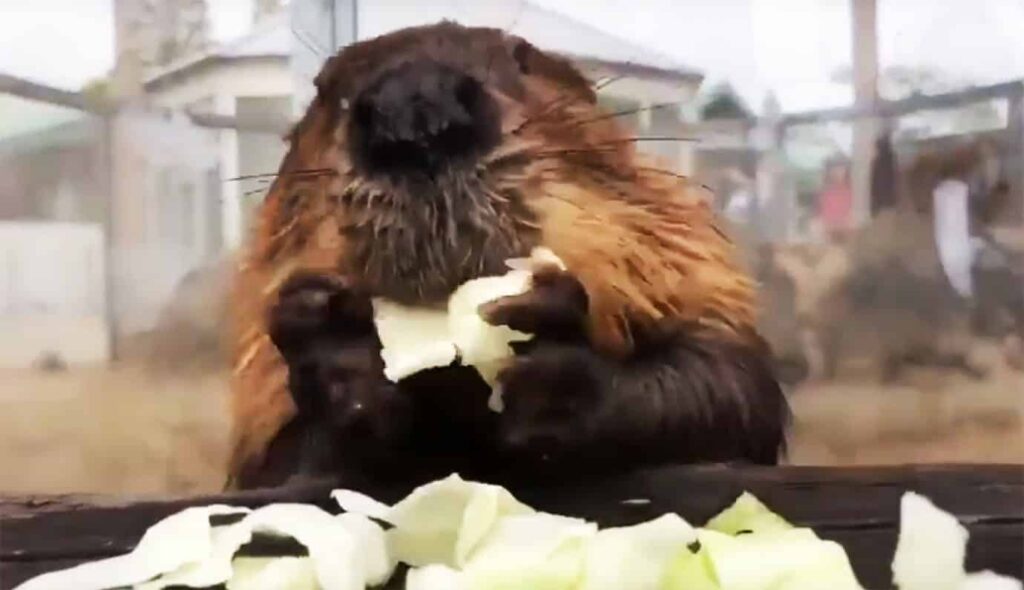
868	156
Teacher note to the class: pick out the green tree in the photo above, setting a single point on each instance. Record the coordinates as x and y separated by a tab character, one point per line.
724	103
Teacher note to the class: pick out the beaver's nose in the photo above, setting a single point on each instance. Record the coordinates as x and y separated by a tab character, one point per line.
422	116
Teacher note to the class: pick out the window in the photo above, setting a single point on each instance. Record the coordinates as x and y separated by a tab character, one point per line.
617	104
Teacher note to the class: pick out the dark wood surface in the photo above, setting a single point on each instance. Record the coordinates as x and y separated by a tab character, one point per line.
858	507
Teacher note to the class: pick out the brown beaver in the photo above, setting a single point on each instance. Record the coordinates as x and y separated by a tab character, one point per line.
429	157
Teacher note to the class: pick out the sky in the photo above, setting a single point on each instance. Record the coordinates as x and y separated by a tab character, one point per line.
789	47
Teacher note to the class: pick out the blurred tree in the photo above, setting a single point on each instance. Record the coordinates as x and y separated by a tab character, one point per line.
98	91
166	30
724	103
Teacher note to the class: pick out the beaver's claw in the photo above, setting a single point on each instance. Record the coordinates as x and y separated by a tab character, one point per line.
554	309
311	306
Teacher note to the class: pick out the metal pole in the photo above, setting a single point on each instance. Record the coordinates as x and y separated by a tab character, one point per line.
346	23
110	257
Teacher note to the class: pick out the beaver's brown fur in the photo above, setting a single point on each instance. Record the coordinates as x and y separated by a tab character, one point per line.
555	170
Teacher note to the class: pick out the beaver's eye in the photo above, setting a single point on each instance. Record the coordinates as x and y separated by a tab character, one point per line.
344	104
521	54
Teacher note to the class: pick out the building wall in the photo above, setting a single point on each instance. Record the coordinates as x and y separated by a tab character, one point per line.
240	88
250	77
55	174
257	153
653	119
162	195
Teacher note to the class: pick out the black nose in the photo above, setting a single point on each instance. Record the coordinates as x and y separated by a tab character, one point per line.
422	116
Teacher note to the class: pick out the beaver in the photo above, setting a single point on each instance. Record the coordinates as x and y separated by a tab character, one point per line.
429	157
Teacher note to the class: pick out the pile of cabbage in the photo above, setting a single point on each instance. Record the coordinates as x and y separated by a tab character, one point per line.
455	534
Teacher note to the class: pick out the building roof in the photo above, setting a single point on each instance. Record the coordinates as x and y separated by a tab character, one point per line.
554	31
548	29
270	39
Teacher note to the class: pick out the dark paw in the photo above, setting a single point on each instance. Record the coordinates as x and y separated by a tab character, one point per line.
346	406
555	398
554	309
311	306
368	409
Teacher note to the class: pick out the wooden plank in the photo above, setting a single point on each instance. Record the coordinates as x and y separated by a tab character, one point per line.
858	507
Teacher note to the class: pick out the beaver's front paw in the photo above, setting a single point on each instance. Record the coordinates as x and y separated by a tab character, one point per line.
555	401
553	310
313	306
345	404
362	406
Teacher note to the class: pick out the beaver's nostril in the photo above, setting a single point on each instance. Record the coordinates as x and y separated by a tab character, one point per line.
422	116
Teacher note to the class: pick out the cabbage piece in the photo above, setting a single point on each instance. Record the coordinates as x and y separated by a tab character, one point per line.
478	342
777	560
412	339
530	552
347	546
345	555
931	548
828	566
179	539
273	573
435	577
692	570
747	546
416	339
440	522
359	503
372	550
747	513
215	568
539	257
636	557
987	580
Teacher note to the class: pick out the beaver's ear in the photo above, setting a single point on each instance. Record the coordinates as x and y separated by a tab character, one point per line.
534	62
328	79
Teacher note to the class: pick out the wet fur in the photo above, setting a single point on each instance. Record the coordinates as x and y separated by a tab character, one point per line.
666	365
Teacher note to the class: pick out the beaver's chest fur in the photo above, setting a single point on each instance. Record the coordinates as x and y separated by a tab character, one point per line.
417	245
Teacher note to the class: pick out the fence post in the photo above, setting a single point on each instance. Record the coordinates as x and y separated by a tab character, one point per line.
865	66
110	302
1015	120
231	192
772	223
319	28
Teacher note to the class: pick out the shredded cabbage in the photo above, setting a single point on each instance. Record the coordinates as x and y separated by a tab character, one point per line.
464	535
415	339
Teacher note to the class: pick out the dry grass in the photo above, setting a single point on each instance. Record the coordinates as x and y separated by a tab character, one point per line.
127	431
111	430
936	416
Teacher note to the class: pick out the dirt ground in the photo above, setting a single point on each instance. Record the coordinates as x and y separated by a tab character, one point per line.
126	431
